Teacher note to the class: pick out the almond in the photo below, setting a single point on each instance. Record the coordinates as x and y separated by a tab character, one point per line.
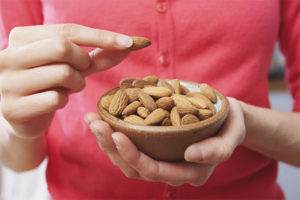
198	102
205	114
118	103
166	122
132	94
131	108
156	116
151	78
189	119
176	85
139	43
157	92
175	117
165	84
208	92
138	83
204	98
126	83
143	112
105	101
134	119
184	106
147	101
165	103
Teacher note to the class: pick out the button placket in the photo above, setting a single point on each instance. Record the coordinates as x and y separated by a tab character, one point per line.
166	37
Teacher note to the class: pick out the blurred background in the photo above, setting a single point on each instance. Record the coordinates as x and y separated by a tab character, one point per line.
32	186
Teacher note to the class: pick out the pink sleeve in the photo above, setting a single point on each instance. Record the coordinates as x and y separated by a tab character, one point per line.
290	46
18	13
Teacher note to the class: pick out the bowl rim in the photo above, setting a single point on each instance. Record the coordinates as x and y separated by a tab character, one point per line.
112	120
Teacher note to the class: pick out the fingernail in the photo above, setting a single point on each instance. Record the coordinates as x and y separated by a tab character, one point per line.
194	154
124	41
116	141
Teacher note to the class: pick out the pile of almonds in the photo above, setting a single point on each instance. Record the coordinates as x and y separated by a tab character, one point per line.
149	101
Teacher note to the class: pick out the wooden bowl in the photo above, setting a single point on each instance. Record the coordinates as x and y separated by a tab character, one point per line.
168	143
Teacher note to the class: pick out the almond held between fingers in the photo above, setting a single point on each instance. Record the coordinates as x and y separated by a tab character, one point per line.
139	43
189	119
105	101
118	103
165	103
175	117
131	108
208	92
156	116
147	101
142	112
134	119
157	92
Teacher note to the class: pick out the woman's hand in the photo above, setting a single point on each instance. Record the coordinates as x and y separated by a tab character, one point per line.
201	158
44	64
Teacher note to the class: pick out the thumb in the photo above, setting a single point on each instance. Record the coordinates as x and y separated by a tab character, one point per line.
103	59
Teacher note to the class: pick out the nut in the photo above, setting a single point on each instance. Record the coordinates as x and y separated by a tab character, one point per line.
149	101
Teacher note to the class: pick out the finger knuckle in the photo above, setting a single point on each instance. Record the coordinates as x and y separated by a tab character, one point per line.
15	33
5	87
62	48
151	174
107	38
80	84
65	73
57	100
67	30
7	112
3	58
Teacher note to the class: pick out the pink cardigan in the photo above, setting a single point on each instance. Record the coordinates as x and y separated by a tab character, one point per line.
226	43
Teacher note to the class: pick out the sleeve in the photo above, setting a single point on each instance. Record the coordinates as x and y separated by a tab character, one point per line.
18	13
289	38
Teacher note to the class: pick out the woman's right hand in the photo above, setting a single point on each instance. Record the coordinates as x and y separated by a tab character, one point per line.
43	65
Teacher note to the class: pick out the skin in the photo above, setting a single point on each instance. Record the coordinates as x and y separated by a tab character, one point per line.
38	71
57	70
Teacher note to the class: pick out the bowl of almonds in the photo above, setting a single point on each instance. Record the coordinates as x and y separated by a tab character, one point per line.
163	117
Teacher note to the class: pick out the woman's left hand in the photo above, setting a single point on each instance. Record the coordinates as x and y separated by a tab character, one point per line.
201	158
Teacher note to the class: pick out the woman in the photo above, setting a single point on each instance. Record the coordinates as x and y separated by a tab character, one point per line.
49	85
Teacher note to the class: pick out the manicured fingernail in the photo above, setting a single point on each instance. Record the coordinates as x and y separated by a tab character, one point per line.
193	154
116	141
124	41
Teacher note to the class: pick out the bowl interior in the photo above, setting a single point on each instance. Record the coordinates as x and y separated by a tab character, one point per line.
222	107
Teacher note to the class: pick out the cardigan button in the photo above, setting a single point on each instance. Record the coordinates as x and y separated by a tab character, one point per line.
161	7
164	60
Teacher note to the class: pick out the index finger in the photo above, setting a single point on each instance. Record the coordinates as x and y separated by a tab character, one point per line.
78	34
